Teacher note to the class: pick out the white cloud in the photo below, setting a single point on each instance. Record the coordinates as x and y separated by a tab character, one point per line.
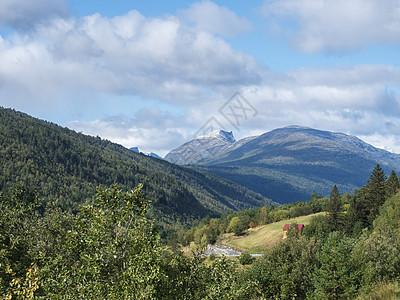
389	141
23	14
129	54
337	25
353	100
147	58
208	16
151	129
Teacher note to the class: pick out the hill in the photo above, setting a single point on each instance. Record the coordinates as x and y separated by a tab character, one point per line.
289	164
263	237
66	166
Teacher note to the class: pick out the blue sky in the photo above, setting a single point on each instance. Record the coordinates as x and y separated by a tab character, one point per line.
152	74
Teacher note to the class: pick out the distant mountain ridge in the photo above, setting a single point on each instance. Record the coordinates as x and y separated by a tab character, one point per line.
152	154
289	164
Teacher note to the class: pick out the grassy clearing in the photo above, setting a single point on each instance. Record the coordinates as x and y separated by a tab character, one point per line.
382	291
261	238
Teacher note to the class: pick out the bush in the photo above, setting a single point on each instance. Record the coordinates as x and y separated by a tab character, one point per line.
212	257
246	259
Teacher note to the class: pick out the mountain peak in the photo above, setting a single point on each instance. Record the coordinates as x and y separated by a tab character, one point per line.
221	134
202	147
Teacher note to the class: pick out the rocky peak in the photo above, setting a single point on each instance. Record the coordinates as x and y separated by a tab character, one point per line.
220	134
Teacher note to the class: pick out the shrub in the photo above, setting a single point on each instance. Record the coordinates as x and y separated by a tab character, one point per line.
246	259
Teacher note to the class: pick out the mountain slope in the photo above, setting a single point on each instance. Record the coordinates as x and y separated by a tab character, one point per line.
291	163
67	166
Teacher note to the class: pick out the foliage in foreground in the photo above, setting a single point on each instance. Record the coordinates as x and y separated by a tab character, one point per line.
109	250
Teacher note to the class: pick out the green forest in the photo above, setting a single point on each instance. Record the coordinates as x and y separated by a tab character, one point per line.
109	249
65	166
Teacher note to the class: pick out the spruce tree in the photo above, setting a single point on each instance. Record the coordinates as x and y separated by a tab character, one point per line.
356	218
334	210
336	277
376	192
392	184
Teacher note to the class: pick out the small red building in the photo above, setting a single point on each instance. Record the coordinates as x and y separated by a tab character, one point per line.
286	227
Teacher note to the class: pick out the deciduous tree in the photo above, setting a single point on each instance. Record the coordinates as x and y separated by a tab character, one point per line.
237	226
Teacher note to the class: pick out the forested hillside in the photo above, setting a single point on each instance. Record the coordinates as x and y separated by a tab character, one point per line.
65	166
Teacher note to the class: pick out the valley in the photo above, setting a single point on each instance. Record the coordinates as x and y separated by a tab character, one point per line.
65	166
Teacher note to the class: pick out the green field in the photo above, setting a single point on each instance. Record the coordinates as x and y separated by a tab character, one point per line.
261	238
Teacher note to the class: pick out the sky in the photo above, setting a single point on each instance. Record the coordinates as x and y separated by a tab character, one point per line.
156	74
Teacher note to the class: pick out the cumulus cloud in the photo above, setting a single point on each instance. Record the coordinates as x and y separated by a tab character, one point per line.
337	25
129	54
208	16
22	14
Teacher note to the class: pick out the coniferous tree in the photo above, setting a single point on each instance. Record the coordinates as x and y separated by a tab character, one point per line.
335	278
376	192
356	218
334	210
392	184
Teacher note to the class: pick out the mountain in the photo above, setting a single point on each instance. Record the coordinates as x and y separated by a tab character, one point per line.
66	167
152	154
289	164
202	147
155	155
